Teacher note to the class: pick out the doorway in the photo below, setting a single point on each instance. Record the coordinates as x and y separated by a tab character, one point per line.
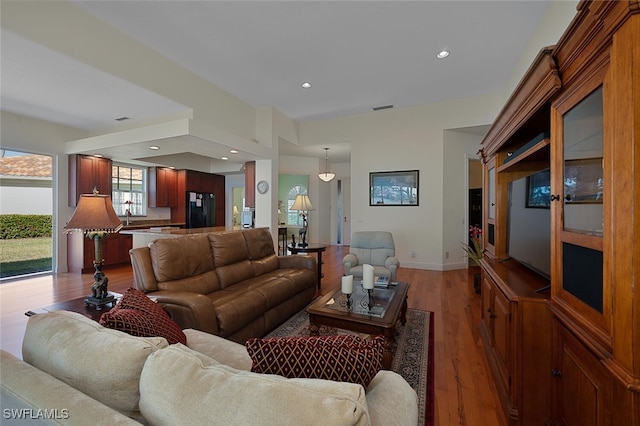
26	214
343	216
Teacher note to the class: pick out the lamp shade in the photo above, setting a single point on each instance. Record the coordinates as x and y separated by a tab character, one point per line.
94	213
235	210
302	203
326	176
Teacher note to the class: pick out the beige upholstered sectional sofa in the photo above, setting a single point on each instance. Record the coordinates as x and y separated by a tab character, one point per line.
231	284
77	372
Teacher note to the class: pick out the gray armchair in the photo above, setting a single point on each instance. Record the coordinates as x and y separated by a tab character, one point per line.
375	248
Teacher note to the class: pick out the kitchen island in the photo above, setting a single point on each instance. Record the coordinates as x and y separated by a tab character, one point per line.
142	237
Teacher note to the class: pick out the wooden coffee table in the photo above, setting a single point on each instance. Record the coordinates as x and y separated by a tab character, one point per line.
390	305
76	305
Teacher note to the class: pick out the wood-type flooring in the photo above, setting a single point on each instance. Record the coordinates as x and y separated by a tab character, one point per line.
464	390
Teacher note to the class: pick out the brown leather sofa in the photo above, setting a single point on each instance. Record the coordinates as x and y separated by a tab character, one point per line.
231	284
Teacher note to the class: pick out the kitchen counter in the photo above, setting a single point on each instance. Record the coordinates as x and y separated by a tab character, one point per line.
142	237
150	223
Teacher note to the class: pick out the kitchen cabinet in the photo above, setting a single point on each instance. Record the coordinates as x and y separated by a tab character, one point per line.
81	251
195	181
250	184
162	187
86	173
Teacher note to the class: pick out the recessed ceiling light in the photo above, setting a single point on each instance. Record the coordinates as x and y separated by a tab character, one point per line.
306	85
443	54
224	158
233	151
154	147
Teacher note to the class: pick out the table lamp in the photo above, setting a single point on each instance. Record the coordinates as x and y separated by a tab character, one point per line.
95	217
303	205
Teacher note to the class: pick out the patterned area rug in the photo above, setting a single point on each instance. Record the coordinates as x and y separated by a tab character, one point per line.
412	349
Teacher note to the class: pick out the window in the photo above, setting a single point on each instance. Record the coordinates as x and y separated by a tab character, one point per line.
293	217
129	190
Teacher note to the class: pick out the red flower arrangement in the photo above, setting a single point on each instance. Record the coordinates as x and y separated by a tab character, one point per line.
474	250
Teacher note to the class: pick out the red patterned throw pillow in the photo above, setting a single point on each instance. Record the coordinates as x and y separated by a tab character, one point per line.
342	358
138	315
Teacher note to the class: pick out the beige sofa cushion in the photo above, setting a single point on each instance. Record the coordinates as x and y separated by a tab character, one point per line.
237	397
25	390
103	363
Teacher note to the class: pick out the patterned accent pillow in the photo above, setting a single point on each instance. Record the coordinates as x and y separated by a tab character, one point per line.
342	358
138	315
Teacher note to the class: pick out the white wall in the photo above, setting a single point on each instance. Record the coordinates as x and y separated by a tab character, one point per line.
404	139
26	200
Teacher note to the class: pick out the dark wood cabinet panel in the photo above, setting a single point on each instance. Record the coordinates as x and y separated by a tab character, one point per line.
85	174
162	187
250	184
81	251
194	181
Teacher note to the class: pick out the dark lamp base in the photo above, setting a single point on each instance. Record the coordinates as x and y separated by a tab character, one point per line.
99	303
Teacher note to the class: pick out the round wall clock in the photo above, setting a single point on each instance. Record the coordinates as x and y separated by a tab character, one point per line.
263	186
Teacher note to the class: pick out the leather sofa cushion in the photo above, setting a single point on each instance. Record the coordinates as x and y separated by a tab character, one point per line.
236	397
202	284
244	302
231	257
102	363
195	258
261	251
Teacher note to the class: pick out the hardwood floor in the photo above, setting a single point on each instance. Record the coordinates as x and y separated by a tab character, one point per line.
464	389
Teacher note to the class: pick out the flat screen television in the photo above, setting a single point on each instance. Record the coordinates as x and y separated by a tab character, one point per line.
529	222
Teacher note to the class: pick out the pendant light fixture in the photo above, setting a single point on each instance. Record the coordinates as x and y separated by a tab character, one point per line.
326	176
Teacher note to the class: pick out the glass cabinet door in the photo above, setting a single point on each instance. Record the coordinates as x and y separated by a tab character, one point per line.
578	193
583	178
489	187
492	192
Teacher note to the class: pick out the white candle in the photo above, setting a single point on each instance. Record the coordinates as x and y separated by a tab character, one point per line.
367	276
347	284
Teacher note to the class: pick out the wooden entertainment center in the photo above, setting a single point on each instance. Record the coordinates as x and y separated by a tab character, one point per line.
570	354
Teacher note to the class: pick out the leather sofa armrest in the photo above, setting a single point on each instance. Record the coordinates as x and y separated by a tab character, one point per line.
189	310
298	262
143	276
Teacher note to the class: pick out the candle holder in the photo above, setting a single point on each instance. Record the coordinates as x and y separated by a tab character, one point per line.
369	301
349	301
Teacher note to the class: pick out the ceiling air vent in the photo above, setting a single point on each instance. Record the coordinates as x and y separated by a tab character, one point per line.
378	108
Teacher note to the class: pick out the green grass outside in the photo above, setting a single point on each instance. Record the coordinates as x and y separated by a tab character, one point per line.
25	256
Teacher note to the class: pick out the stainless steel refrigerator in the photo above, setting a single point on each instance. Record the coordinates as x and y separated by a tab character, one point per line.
201	210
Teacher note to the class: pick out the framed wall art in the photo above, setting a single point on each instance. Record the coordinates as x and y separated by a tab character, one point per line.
399	188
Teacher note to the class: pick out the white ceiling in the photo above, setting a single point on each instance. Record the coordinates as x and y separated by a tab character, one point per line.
357	54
